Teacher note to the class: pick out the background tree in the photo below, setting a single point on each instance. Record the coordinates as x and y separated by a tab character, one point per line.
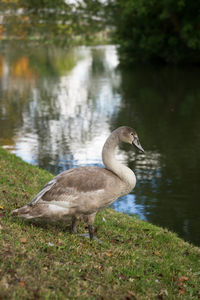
49	20
151	30
43	20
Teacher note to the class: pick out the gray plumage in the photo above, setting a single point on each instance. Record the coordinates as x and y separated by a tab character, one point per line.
81	192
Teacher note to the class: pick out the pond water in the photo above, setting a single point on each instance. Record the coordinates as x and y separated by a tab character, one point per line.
58	106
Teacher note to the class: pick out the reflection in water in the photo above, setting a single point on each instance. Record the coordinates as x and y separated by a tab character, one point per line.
74	106
58	107
164	103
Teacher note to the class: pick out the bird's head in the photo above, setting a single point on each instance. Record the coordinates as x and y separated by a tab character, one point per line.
128	135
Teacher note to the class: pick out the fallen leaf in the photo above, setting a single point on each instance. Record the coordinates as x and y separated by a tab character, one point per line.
23	240
109	253
1	207
22	283
181	290
157	253
183	278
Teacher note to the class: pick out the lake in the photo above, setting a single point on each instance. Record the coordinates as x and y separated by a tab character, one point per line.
57	107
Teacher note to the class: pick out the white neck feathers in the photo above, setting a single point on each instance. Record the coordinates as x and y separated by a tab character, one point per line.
108	157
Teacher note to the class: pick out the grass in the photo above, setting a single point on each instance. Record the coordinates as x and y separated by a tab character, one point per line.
137	260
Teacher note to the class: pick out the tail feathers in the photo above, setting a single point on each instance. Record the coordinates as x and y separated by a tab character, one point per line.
23	212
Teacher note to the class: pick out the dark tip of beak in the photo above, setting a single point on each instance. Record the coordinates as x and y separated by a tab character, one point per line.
136	143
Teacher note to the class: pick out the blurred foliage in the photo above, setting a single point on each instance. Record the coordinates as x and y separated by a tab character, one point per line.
147	30
22	70
90	19
51	20
150	30
34	19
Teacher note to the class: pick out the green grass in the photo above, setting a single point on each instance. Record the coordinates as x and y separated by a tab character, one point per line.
44	261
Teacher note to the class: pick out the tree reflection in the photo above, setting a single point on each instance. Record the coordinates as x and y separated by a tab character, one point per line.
163	103
21	71
65	99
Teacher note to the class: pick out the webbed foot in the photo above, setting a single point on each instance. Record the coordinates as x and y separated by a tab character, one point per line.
88	236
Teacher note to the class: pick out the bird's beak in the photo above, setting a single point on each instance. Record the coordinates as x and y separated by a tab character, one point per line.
136	143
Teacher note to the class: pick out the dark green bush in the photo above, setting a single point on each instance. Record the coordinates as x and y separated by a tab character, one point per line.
152	30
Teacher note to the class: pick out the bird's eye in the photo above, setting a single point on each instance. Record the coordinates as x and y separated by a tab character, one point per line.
132	133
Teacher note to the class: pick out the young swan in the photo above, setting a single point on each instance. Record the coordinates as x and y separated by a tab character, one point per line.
81	192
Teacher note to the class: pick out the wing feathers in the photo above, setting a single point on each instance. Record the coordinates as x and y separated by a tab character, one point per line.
74	184
45	189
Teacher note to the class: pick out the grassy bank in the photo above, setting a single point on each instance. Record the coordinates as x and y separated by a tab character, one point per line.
136	260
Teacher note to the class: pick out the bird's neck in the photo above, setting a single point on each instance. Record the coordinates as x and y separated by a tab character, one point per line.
108	156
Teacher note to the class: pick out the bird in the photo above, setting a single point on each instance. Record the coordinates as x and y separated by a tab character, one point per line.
79	193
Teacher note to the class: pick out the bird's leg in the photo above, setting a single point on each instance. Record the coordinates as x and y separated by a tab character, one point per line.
91	228
90	221
90	225
91	231
73	225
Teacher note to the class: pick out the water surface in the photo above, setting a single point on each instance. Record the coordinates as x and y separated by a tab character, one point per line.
57	107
